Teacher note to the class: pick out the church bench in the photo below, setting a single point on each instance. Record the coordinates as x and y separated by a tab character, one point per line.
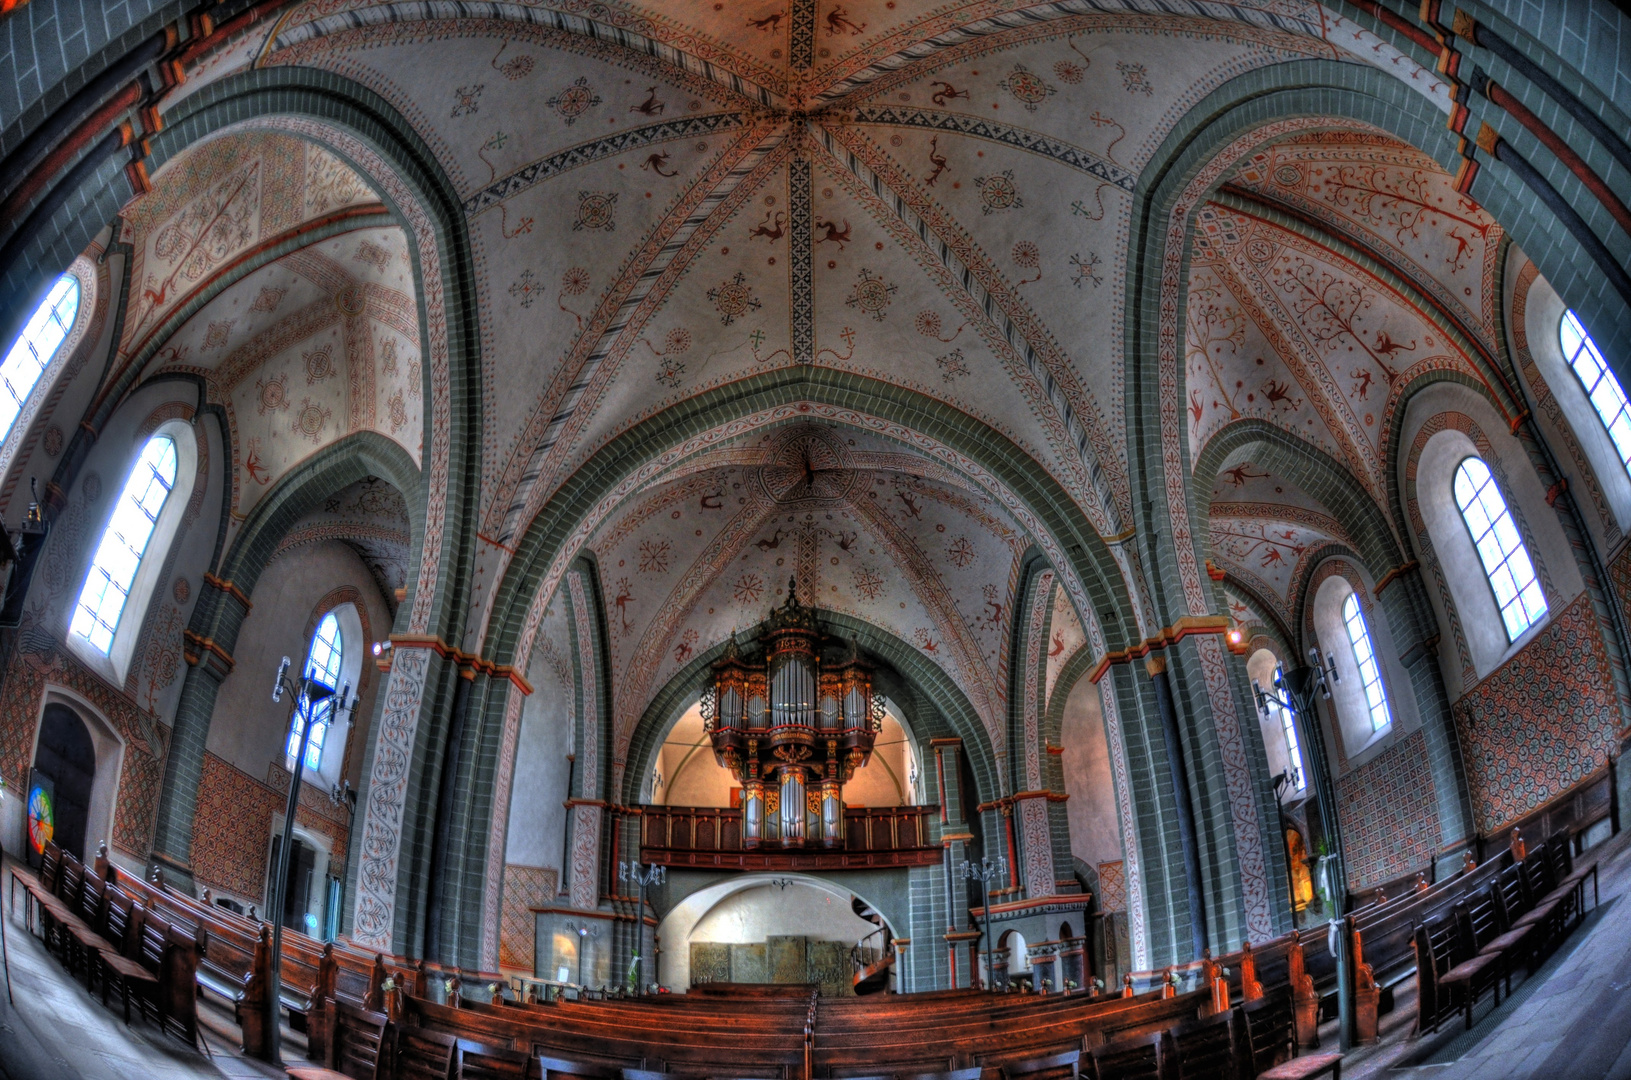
1138	1057
615	1048
356	1049
234	961
1065	1065
480	1061
1475	970
1266	1042
554	1068
421	1054
121	927
1211	1048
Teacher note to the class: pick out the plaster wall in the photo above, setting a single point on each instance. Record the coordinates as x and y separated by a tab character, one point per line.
537	822
1542	316
1095	835
766	910
1457	559
248	729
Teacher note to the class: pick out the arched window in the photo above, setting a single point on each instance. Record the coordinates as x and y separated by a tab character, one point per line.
35	348
1604	390
1370	672
124	542
323	664
1495	535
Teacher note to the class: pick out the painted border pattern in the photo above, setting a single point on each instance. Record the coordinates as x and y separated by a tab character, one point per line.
387	797
1137	930
1041	604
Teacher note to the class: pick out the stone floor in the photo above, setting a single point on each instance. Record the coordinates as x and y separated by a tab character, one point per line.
1570	1021
53	1030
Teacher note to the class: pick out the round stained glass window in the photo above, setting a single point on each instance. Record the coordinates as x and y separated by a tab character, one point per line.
42	819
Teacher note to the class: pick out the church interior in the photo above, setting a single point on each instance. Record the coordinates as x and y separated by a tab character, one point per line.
934	539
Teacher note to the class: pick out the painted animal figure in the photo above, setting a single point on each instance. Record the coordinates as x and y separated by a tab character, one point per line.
833	233
655	163
651	106
838	21
768	23
946	92
938	160
911	504
769	231
772	544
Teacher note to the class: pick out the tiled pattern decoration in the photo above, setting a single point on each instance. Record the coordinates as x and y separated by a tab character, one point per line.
1112	887
1527	737
1389	812
525	887
39	662
232	830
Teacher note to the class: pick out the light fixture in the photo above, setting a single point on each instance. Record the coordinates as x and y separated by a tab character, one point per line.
382	647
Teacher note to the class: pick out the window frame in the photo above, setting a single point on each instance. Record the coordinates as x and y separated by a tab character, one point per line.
121	542
1491	482
1375	660
1288	727
331	672
84	275
1621	442
116	662
52	314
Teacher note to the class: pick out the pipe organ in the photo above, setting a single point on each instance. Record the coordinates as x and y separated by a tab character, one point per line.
792	724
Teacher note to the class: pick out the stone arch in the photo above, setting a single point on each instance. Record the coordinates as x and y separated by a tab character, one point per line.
931	704
222	606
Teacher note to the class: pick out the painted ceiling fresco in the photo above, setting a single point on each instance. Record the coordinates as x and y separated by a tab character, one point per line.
321	343
1265	535
867	530
1318	329
666	197
371	517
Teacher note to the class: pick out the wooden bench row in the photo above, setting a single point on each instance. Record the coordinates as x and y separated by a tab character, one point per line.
100	932
1517	917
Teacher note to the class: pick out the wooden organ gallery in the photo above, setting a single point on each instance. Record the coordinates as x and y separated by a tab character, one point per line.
792	728
815	539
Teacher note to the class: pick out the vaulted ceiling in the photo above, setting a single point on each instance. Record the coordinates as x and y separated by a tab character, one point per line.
666	198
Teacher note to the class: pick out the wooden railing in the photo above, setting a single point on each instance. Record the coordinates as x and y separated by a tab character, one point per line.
712	837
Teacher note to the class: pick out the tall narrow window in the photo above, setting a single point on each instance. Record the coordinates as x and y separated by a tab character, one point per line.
1294	752
323	664
1370	672
124	542
1495	535
1607	396
35	348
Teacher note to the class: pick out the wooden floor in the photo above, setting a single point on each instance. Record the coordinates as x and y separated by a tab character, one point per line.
1571	1021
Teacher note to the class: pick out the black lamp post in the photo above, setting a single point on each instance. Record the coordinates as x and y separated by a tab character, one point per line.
1295	690
306	693
642	876
985	871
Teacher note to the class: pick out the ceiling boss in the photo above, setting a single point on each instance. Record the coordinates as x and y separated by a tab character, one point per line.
792	728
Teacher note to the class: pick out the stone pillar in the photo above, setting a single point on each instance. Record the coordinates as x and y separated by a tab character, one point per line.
1156	665
955	838
208	640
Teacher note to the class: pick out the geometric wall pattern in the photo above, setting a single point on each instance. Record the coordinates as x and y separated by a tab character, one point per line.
232	832
525	887
1527	739
1389	813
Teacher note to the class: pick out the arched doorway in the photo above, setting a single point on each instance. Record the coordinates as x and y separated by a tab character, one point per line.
65	769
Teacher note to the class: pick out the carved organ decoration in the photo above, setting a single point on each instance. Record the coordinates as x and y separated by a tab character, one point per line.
792	725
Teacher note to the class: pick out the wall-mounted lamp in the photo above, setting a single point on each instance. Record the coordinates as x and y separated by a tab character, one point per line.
382	647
